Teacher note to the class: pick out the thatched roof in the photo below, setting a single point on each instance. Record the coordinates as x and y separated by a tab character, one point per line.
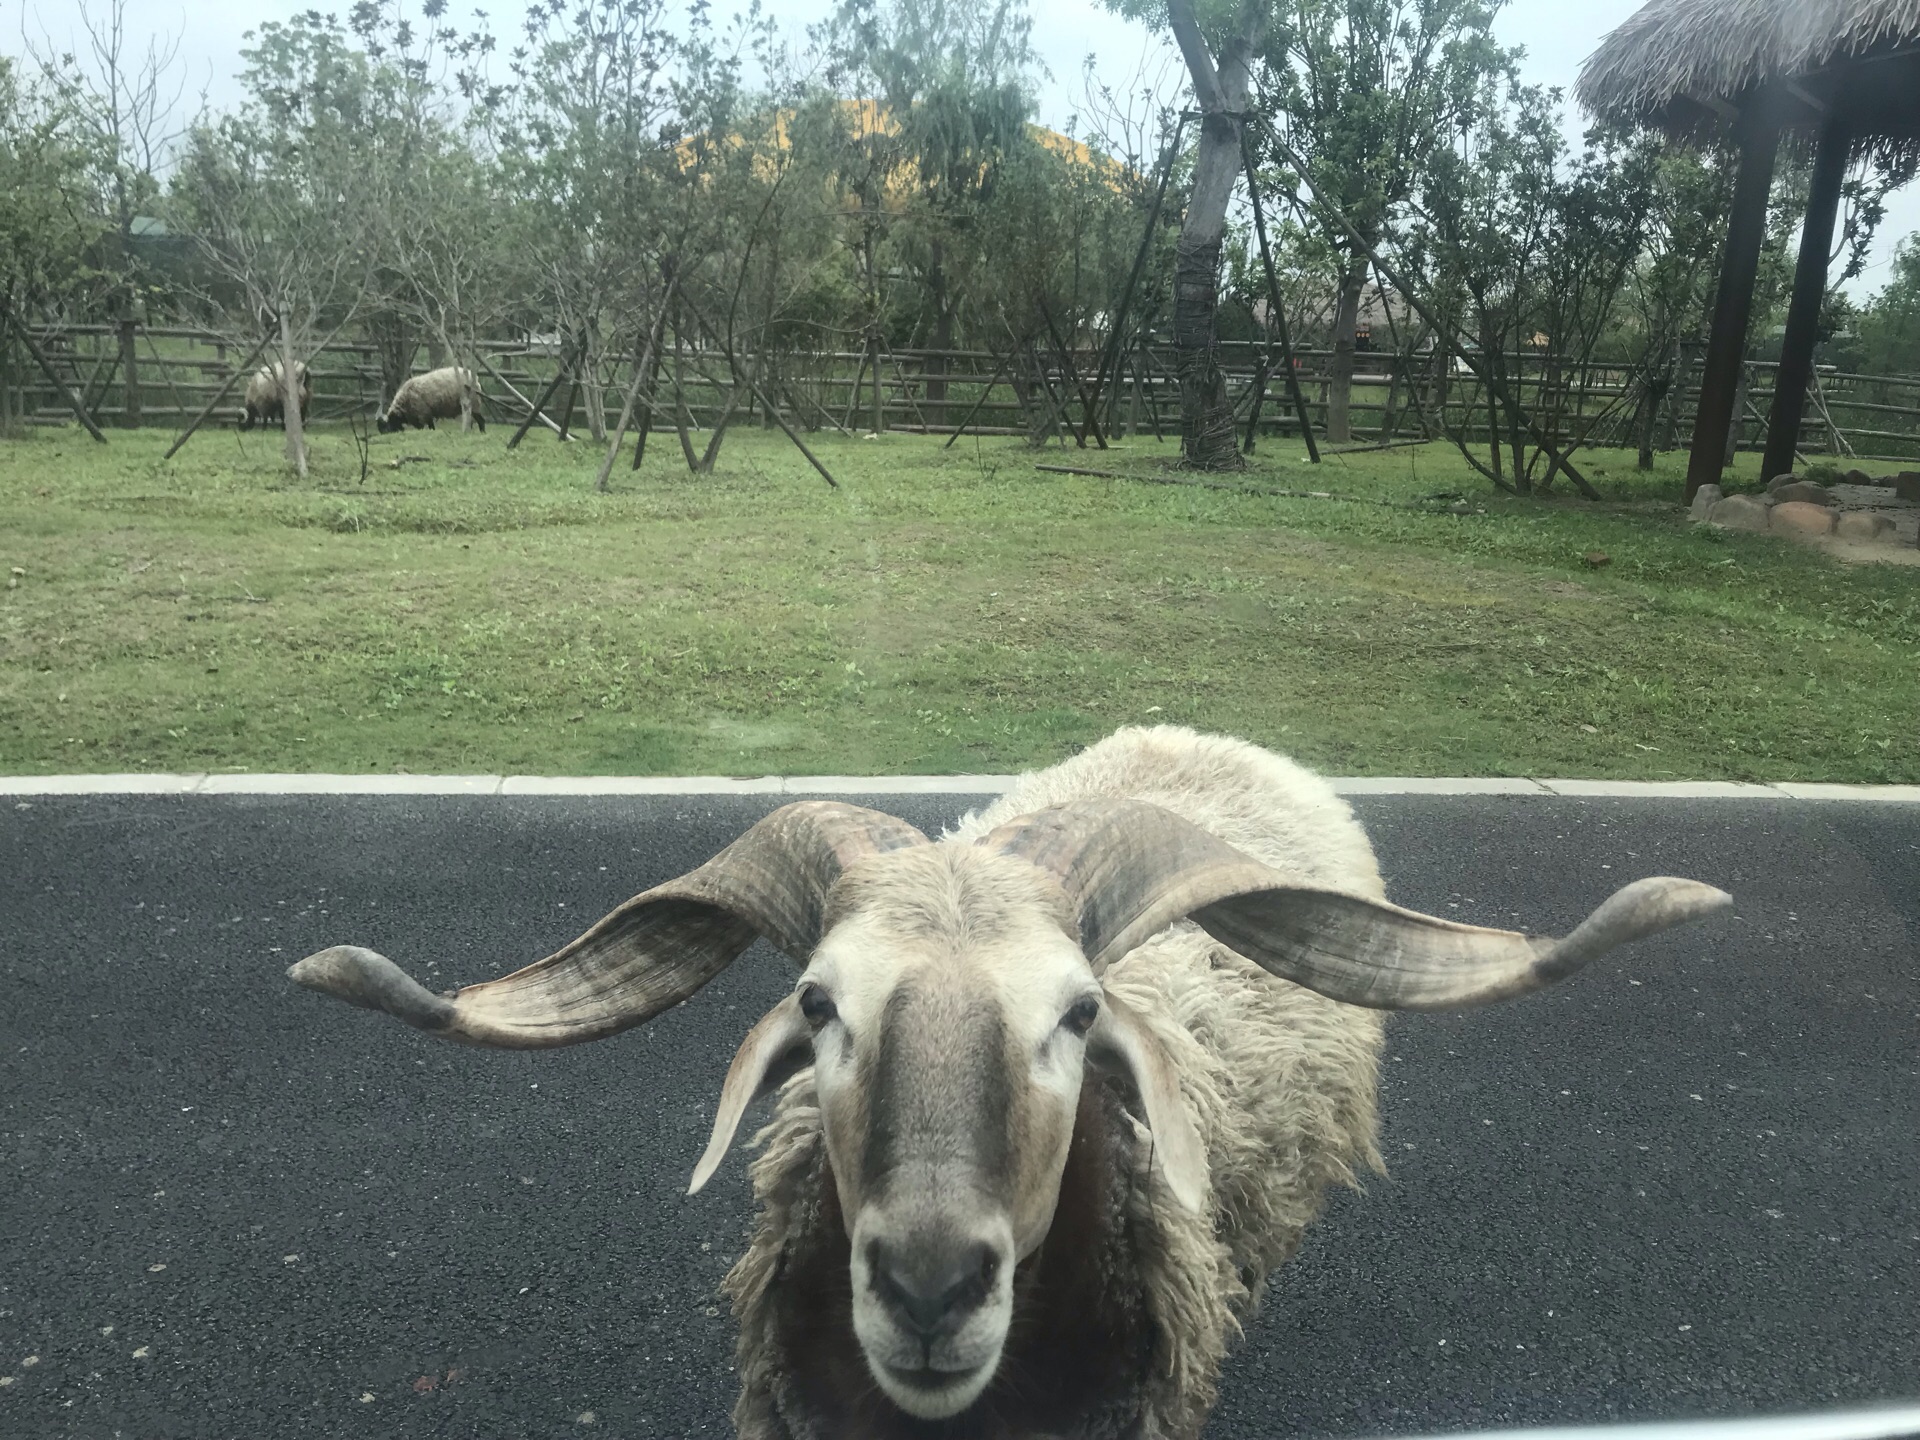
1672	52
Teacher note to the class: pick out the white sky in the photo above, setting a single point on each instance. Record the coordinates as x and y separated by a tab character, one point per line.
1557	34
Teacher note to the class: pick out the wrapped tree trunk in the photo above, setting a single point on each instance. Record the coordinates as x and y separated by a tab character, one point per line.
1207	441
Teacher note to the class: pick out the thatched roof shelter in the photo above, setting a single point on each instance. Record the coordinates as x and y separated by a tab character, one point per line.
1682	65
1749	71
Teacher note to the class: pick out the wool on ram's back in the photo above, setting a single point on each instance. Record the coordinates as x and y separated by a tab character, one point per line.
436	395
264	401
1280	1080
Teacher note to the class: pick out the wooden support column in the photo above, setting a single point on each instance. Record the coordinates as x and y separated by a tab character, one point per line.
1726	347
1809	297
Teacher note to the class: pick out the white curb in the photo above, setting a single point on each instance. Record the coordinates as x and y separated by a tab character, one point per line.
348	785
817	785
1666	789
1492	785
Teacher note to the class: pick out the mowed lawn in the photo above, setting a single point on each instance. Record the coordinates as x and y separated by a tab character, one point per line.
943	610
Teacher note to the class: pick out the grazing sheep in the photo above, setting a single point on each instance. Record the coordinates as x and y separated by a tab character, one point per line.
430	397
264	403
1065	1085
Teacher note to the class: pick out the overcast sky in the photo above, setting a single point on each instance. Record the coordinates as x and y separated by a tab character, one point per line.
1557	35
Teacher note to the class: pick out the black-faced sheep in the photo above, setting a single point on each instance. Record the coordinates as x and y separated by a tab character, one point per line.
264	403
430	397
1073	1080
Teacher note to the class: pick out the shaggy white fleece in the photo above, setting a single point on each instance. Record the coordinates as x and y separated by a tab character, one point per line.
1281	1081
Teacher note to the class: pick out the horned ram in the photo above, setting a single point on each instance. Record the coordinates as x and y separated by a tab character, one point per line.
1056	1093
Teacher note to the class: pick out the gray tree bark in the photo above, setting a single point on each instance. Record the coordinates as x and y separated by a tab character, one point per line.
1346	323
1207	440
295	422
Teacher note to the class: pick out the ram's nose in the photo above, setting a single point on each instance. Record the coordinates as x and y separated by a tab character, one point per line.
933	1284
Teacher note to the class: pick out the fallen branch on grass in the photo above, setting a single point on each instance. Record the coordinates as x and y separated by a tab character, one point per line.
1423	507
1380	445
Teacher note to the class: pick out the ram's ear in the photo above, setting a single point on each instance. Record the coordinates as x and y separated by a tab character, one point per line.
1121	1041
766	1057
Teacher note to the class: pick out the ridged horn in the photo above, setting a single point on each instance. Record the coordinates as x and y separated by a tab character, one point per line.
651	953
1130	869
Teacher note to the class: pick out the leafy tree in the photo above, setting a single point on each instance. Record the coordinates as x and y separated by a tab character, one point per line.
433	219
124	113
1889	326
275	195
1671	286
1367	93
1219	43
610	119
952	83
1530	247
46	228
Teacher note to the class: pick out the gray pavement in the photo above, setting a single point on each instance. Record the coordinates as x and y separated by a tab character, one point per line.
1688	1183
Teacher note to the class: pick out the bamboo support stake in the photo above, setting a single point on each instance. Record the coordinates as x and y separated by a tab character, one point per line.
537	411
1071	376
1446	332
1116	341
1279	318
511	390
46	368
640	368
799	444
993	380
218	396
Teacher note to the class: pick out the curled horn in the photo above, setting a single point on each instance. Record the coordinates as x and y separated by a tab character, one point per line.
648	955
1130	869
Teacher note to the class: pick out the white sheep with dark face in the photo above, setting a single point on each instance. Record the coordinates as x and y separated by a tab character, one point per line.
436	395
265	400
1064	1086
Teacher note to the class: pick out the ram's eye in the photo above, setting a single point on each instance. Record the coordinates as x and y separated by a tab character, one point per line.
816	1005
1081	1015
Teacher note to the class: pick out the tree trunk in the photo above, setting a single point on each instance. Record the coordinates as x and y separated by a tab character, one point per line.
1676	397
1346	324
393	347
129	376
1207	441
1206	416
1651	396
936	366
296	447
590	381
10	415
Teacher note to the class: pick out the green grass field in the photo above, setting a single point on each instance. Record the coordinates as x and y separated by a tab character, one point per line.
942	611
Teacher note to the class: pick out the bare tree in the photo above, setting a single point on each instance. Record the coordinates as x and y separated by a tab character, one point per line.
275	198
126	106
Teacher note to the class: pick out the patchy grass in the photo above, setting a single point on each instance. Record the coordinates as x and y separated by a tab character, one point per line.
944	610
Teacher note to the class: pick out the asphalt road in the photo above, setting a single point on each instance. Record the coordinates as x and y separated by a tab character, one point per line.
1688	1183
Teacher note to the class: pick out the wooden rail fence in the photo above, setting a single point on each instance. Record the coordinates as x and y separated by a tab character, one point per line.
127	375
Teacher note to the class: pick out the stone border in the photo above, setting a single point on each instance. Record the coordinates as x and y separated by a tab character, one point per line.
719	785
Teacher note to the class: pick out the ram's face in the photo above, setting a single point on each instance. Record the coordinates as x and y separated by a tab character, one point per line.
950	1011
